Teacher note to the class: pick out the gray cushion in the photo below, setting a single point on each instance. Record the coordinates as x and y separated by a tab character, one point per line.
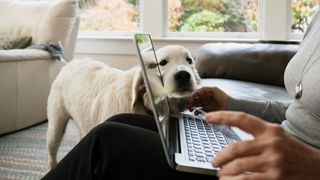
260	62
248	90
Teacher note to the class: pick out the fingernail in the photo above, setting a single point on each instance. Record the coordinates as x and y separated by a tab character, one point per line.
214	163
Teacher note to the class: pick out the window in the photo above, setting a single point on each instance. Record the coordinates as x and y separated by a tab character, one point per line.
193	16
107	25
109	15
302	11
212	15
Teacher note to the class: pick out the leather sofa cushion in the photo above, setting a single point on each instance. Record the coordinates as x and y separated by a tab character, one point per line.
260	62
248	90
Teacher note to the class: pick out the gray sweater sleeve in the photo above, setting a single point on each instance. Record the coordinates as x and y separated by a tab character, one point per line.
272	111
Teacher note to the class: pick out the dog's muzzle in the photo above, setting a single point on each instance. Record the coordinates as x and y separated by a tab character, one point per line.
183	81
182	77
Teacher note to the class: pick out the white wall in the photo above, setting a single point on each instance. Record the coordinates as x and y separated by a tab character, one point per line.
121	53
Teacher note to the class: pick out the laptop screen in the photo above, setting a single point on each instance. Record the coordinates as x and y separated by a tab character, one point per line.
154	80
155	88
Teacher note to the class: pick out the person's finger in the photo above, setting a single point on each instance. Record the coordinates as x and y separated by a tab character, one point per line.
253	176
236	150
246	122
193	100
189	103
242	165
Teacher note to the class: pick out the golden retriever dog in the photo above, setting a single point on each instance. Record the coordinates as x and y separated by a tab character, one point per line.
89	92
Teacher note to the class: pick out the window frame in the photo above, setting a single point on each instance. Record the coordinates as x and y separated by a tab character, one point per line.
274	24
156	11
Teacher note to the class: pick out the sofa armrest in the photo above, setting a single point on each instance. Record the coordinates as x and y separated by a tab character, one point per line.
23	55
260	62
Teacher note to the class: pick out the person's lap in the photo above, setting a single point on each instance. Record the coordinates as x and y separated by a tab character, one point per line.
126	146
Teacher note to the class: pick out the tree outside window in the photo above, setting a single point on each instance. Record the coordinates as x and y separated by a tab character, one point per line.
109	15
302	12
213	15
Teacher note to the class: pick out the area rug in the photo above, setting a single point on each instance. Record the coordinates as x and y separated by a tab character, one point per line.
23	154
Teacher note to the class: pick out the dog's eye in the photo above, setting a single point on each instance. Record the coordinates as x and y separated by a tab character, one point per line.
163	62
189	60
152	65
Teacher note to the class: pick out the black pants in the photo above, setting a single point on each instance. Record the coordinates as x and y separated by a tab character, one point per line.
126	146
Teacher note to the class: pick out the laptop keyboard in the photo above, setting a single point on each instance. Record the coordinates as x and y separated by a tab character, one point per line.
203	143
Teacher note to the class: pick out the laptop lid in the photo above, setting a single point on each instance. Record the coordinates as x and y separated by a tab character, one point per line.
155	89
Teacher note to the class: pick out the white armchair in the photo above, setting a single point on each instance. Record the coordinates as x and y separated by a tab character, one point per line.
26	75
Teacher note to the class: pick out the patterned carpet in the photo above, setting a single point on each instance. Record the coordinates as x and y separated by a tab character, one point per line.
23	155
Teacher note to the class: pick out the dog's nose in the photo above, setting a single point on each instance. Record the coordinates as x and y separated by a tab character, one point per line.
182	76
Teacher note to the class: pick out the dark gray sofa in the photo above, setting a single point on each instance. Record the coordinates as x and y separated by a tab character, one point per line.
243	70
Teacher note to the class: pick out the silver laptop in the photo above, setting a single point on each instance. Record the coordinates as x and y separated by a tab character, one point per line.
189	143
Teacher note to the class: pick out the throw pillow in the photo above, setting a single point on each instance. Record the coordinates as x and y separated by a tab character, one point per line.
15	43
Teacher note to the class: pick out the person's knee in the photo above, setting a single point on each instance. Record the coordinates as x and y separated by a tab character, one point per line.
104	129
119	117
110	125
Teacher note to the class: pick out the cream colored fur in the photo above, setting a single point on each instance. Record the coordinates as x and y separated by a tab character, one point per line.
89	92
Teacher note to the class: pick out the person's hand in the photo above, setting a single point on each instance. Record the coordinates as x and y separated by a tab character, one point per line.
272	154
209	98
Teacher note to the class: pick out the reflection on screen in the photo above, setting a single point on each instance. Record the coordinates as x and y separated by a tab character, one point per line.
155	80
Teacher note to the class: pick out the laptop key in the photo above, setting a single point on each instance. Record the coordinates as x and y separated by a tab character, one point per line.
204	137
214	143
196	140
211	136
205	143
193	134
200	159
216	148
198	151
205	140
199	155
191	158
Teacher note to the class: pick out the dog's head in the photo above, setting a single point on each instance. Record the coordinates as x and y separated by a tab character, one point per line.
179	76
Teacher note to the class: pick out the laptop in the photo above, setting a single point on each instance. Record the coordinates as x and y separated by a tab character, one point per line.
189	143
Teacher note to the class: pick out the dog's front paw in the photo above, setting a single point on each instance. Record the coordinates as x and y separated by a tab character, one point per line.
51	164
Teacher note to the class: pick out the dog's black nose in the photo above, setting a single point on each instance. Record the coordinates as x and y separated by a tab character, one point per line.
182	76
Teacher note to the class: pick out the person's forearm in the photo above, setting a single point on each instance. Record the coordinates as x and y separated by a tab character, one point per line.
271	111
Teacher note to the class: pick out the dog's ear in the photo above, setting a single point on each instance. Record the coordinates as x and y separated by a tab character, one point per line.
137	86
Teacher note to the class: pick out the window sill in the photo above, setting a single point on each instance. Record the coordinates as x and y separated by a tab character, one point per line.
123	45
